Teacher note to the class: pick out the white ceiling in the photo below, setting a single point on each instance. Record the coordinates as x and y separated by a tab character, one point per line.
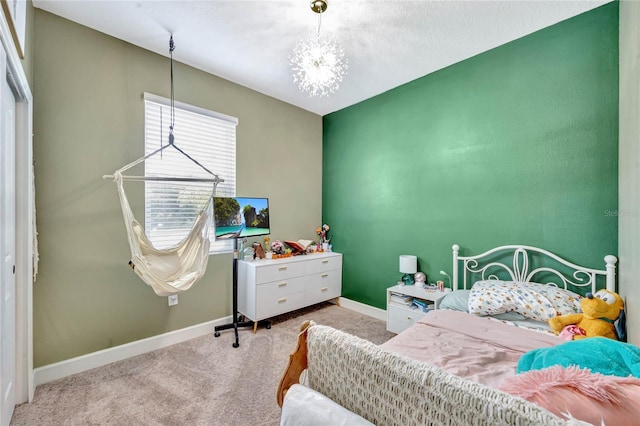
387	42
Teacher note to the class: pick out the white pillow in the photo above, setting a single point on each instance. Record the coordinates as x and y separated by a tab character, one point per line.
305	406
536	301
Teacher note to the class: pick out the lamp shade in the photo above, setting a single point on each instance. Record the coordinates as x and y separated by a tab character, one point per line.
408	264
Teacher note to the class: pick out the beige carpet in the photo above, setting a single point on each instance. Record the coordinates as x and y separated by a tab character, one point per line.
204	381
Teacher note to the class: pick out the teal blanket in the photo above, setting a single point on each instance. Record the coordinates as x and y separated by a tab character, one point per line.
598	354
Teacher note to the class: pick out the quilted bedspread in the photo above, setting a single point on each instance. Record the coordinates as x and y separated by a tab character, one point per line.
468	346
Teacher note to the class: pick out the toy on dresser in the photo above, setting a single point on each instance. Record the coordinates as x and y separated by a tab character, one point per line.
599	313
259	252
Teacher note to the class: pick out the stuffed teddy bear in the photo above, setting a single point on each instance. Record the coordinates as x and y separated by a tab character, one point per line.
599	312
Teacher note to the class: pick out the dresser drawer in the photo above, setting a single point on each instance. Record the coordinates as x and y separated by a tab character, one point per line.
323	264
399	318
279	271
324	286
280	288
271	305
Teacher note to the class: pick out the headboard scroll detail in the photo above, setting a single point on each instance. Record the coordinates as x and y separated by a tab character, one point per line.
575	276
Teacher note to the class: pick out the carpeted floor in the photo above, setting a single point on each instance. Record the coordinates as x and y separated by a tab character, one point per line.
204	381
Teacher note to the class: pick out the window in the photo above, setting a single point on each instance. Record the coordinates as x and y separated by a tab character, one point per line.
208	137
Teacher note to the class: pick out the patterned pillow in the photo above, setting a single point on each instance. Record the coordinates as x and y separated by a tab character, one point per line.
459	301
532	300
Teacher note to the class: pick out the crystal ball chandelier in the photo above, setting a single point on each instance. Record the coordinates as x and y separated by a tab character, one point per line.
318	63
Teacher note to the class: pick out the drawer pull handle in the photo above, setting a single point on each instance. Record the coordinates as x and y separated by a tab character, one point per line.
282	284
282	268
324	289
409	318
284	299
325	261
325	275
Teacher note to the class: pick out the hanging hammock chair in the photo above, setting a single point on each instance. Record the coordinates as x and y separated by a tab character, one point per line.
175	269
172	270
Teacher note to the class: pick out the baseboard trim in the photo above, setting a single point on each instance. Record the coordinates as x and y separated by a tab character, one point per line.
361	308
59	370
68	367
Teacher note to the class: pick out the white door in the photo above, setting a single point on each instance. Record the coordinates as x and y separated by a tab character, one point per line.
7	248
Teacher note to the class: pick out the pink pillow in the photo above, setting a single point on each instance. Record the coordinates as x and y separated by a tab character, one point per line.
580	394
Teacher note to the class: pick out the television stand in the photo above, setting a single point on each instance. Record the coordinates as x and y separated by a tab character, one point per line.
235	323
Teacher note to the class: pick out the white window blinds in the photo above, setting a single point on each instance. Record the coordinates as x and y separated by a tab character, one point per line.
208	137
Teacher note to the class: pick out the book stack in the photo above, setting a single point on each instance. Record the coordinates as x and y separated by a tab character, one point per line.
421	305
400	299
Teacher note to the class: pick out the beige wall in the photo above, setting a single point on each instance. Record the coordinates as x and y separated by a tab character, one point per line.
629	159
88	121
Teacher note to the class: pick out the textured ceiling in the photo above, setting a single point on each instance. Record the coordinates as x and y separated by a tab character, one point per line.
387	43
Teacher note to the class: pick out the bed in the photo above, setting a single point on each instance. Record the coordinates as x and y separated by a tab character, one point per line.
458	365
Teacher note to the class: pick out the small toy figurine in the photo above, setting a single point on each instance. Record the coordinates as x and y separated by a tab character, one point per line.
259	252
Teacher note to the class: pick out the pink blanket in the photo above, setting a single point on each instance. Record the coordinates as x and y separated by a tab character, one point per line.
487	352
468	346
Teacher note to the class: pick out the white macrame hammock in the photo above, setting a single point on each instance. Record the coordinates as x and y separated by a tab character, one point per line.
172	270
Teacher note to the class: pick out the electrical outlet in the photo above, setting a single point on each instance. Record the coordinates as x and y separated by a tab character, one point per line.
173	299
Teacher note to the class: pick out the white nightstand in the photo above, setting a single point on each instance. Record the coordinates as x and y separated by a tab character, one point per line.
400	316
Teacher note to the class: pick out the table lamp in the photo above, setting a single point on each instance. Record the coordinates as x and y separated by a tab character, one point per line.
408	266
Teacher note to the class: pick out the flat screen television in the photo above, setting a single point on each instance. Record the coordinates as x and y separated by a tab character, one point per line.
239	217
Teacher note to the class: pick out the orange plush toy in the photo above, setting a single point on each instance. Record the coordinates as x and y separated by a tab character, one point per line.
599	312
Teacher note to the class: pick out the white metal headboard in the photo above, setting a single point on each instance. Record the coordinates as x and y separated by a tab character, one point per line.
578	276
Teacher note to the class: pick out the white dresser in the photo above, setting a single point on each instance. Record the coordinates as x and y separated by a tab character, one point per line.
270	287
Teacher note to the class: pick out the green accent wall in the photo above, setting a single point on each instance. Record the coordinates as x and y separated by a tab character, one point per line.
517	145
